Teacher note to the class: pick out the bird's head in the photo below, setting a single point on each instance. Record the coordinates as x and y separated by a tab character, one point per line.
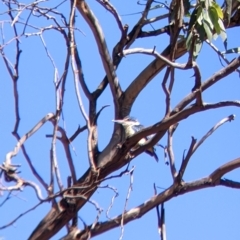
127	121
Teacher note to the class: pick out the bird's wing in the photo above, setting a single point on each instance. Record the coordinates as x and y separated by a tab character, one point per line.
138	128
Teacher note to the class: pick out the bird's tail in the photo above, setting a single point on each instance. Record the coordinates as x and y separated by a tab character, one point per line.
152	153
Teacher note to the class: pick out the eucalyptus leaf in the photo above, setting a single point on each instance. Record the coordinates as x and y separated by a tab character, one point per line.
189	40
208	30
218	9
197	49
193	19
214	18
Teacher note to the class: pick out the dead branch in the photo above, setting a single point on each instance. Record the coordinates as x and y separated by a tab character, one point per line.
13	153
126	201
213	180
102	46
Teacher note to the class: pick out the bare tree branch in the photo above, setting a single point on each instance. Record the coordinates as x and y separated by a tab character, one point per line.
213	180
13	153
126	201
65	141
208	83
120	150
171	152
146	76
102	46
161	127
140	24
107	5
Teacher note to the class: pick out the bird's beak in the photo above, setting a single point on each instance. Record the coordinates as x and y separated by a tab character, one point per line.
118	121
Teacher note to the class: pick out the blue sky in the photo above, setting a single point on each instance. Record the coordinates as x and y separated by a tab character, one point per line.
205	214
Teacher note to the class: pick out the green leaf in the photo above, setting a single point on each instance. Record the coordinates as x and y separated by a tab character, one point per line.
208	3
218	9
189	40
200	16
197	46
201	32
197	49
195	17
208	26
207	18
208	29
214	18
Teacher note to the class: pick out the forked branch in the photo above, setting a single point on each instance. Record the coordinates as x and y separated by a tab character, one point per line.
213	180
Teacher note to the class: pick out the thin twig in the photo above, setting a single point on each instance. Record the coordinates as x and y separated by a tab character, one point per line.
154	53
15	151
65	141
140	23
221	56
166	91
171	152
194	145
212	130
112	200
108	6
219	75
126	201
20	215
77	132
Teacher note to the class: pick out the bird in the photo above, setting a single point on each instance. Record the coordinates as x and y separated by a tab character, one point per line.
132	126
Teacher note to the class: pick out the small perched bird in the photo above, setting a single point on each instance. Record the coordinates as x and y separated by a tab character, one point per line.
132	126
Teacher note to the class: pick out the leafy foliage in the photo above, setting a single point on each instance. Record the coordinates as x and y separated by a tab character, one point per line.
206	22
